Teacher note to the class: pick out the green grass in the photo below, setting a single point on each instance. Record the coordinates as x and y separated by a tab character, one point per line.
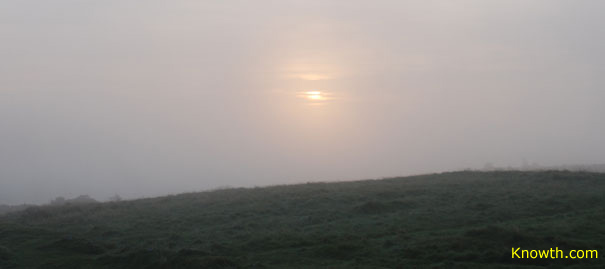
448	220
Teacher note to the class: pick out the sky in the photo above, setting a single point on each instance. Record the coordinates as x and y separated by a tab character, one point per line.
163	97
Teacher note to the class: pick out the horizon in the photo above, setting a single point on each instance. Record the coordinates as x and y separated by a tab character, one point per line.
535	168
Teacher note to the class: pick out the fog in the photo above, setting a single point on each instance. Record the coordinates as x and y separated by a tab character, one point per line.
145	99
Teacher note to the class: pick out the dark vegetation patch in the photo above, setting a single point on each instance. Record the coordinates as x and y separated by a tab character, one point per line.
449	220
166	259
74	245
375	207
5	254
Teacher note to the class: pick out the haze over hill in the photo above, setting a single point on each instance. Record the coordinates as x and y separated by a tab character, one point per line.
118	97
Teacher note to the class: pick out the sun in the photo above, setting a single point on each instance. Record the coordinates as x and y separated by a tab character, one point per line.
314	95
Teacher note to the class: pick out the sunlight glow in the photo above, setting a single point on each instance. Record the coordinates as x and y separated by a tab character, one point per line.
311	76
314	95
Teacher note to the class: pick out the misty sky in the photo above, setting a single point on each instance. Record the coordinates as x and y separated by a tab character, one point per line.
143	98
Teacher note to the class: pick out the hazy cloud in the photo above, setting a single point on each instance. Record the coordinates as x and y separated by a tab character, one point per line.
106	97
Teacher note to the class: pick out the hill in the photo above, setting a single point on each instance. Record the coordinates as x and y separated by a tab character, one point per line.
451	220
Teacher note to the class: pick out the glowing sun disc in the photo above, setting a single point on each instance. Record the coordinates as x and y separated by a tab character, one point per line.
314	95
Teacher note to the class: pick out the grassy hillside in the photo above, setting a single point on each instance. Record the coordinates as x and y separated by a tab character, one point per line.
453	220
